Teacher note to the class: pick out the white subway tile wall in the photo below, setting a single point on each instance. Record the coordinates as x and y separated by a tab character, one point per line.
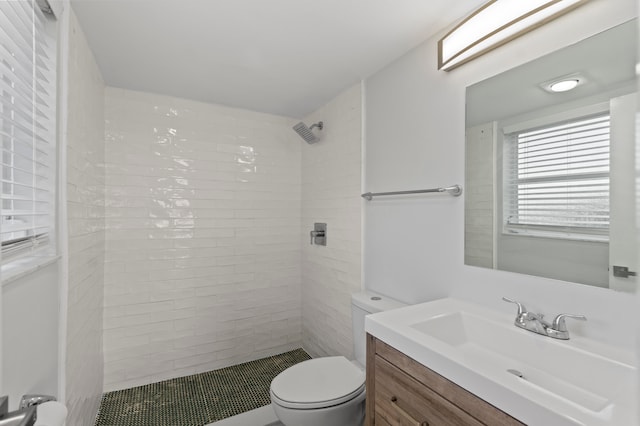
202	237
479	190
331	185
85	206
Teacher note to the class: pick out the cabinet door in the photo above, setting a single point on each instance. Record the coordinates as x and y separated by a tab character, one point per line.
461	399
402	401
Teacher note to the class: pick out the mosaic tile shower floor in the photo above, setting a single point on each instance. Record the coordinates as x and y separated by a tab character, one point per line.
199	399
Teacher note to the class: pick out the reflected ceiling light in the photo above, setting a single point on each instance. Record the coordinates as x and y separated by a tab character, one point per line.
494	24
564	83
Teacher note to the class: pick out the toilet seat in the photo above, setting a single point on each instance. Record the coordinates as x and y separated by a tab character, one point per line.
318	383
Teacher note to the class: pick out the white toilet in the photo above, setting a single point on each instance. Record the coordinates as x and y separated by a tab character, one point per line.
329	390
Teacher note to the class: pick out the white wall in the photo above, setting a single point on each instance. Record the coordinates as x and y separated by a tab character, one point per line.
584	262
203	237
415	139
84	157
331	185
30	334
637	239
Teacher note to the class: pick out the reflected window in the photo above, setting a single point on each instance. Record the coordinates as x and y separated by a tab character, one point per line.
556	180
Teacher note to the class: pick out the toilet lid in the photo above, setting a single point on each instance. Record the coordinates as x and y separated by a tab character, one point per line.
320	382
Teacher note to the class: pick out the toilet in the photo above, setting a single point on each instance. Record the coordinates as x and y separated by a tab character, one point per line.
329	390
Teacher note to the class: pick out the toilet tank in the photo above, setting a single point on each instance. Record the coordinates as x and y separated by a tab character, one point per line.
363	304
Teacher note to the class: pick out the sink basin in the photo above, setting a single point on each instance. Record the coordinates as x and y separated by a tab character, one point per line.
536	379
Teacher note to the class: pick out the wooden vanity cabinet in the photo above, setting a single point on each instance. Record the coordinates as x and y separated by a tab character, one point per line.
403	392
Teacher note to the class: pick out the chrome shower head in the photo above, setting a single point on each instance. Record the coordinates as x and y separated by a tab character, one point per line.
306	132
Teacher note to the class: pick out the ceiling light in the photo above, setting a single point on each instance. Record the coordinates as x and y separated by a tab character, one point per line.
494	24
564	85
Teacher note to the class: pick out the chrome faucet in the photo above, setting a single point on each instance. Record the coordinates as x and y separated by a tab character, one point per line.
21	417
31	400
537	324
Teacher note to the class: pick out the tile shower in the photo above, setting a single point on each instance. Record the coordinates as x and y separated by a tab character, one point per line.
202	237
199	215
85	153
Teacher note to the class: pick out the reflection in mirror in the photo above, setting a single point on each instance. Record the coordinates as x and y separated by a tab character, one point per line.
549	174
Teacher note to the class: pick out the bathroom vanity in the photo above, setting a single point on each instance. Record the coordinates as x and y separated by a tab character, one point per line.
454	362
401	391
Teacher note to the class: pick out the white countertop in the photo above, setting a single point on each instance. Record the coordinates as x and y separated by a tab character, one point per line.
566	382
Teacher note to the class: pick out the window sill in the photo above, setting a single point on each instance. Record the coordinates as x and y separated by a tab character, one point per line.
603	239
20	268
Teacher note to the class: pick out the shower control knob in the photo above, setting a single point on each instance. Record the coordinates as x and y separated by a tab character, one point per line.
319	234
316	234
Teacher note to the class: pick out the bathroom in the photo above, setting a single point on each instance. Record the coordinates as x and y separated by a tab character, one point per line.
161	274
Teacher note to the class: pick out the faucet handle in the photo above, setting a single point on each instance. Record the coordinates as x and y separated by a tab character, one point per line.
559	323
30	400
521	309
4	405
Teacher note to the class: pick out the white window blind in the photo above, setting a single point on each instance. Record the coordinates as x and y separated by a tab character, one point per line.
27	127
556	180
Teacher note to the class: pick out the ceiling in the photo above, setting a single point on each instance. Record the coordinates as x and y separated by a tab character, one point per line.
285	57
606	61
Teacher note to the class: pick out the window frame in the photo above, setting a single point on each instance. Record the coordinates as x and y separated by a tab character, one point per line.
34	249
546	231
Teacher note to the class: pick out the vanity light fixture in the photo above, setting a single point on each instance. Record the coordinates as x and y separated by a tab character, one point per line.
494	24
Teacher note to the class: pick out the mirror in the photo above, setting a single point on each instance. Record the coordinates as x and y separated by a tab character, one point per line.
549	176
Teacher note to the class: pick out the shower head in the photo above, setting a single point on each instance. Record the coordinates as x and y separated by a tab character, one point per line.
306	132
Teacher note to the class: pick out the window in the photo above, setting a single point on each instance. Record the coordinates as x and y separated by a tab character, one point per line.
27	128
556	180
